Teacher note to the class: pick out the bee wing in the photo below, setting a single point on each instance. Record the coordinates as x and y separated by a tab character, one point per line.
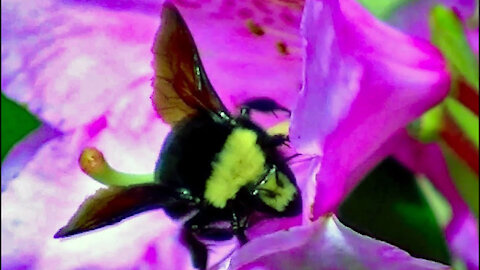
181	86
113	204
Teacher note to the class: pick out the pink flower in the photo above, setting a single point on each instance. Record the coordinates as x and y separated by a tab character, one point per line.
363	82
84	68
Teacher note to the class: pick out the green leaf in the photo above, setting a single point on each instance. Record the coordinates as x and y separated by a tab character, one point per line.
388	205
383	9
466	120
449	36
17	122
428	126
465	179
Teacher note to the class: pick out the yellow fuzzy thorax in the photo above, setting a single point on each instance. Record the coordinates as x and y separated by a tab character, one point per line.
277	191
240	162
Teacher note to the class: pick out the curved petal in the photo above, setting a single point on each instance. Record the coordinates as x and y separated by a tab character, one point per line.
324	244
357	93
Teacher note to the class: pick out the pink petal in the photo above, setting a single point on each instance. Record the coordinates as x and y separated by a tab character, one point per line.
71	61
357	93
324	244
243	65
51	186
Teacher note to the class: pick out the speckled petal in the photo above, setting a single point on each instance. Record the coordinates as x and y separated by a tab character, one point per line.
324	244
363	82
69	61
240	43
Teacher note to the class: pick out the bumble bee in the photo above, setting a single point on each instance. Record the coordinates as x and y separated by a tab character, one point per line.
213	169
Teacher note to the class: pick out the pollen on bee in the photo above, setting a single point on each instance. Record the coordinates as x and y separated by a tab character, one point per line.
254	28
282	48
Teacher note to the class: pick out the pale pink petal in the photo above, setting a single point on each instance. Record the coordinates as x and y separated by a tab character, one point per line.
324	244
51	187
71	61
363	82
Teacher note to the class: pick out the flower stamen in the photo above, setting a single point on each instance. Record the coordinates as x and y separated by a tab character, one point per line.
93	163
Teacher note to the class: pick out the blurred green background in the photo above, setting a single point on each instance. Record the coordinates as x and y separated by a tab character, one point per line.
16	123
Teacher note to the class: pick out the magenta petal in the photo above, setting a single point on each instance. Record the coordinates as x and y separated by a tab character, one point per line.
357	93
324	244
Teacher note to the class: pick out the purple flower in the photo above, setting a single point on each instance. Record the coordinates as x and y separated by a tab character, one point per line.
84	68
363	82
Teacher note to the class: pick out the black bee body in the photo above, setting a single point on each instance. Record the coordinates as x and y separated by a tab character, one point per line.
186	163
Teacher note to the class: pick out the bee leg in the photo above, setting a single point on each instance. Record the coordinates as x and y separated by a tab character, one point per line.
239	226
198	250
263	104
292	157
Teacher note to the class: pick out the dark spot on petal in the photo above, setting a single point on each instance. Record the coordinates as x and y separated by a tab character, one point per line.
282	48
254	28
245	13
